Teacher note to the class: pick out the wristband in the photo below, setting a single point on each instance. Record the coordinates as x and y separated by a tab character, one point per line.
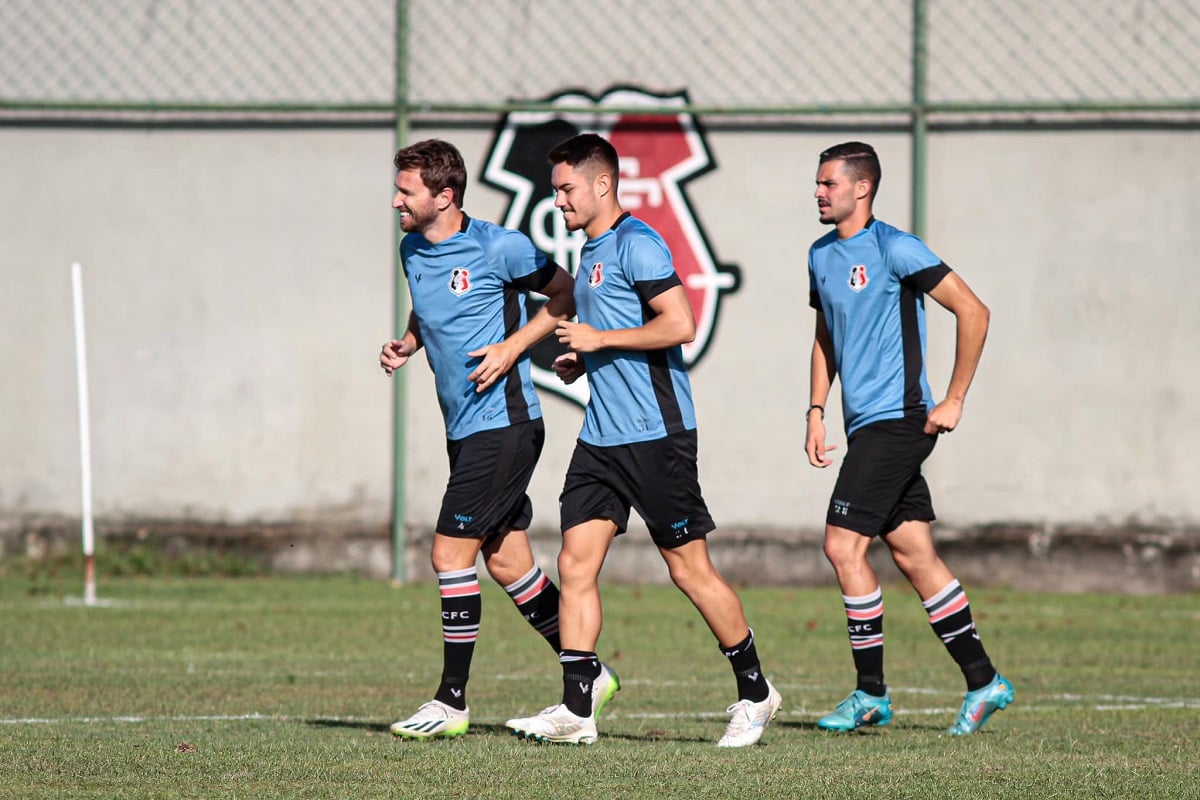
810	410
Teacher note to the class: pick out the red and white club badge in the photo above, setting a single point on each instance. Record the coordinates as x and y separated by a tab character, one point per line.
858	277
460	281
596	275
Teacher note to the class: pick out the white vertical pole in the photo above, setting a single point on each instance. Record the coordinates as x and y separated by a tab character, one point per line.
85	439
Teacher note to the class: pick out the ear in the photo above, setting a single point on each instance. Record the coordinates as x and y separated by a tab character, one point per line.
603	184
444	198
862	189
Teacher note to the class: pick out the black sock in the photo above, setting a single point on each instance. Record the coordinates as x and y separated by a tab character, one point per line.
536	598
864	623
580	671
462	606
743	657
950	617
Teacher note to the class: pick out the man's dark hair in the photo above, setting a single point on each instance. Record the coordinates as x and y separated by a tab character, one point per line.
861	162
440	164
587	149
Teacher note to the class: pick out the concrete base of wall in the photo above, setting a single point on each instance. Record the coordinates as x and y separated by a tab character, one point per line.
1133	561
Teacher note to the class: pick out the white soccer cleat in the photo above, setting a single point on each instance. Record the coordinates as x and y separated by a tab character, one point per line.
603	689
555	724
750	719
433	719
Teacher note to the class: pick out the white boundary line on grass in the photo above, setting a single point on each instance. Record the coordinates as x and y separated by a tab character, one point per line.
140	719
1129	704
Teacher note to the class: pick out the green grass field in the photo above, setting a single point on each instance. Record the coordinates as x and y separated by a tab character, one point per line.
284	687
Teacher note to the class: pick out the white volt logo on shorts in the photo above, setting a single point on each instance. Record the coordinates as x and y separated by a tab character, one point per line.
660	152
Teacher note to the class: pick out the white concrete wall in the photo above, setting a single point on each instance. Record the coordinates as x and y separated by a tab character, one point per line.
239	285
235	283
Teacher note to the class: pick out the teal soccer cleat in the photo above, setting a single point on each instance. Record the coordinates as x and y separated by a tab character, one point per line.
980	704
858	710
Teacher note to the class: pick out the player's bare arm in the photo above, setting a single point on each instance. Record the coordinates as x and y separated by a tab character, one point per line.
396	352
673	323
972	319
498	358
821	374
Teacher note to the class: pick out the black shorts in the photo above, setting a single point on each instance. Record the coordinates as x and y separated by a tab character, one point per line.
880	484
489	474
659	479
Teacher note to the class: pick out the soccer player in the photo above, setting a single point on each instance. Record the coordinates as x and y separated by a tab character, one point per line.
466	278
637	447
867	281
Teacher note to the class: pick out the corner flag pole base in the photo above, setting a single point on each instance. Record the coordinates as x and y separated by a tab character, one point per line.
89	580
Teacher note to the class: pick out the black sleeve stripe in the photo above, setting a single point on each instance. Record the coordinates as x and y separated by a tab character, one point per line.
647	290
814	300
538	279
925	280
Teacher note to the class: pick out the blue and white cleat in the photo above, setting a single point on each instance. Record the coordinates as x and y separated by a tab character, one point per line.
980	704
858	710
749	719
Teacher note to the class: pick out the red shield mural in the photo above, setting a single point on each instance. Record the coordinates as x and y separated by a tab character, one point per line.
659	154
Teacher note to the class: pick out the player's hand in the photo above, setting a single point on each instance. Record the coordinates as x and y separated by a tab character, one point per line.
944	417
568	367
497	360
814	444
394	354
579	337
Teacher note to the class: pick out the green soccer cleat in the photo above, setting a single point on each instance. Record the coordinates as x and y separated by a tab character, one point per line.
432	720
858	710
603	689
980	704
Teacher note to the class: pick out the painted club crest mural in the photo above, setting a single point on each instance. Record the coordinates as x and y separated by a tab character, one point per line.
659	155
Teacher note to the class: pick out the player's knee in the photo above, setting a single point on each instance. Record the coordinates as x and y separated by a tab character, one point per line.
574	571
842	555
503	571
915	563
691	578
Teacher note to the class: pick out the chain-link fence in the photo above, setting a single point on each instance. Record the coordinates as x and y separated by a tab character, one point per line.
908	65
753	56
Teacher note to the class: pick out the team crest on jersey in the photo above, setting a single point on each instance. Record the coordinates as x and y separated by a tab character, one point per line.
460	281
858	277
660	152
596	275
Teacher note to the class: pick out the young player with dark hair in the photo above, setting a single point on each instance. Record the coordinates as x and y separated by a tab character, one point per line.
637	447
867	281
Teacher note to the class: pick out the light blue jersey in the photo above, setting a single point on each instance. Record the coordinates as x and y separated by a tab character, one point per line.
871	289
467	292
636	395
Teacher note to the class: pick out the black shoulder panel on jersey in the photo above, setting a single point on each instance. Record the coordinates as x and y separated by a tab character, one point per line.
538	279
925	280
648	290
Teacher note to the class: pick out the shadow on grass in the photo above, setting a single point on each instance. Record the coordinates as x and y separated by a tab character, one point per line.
496	729
356	724
867	731
797	726
485	729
